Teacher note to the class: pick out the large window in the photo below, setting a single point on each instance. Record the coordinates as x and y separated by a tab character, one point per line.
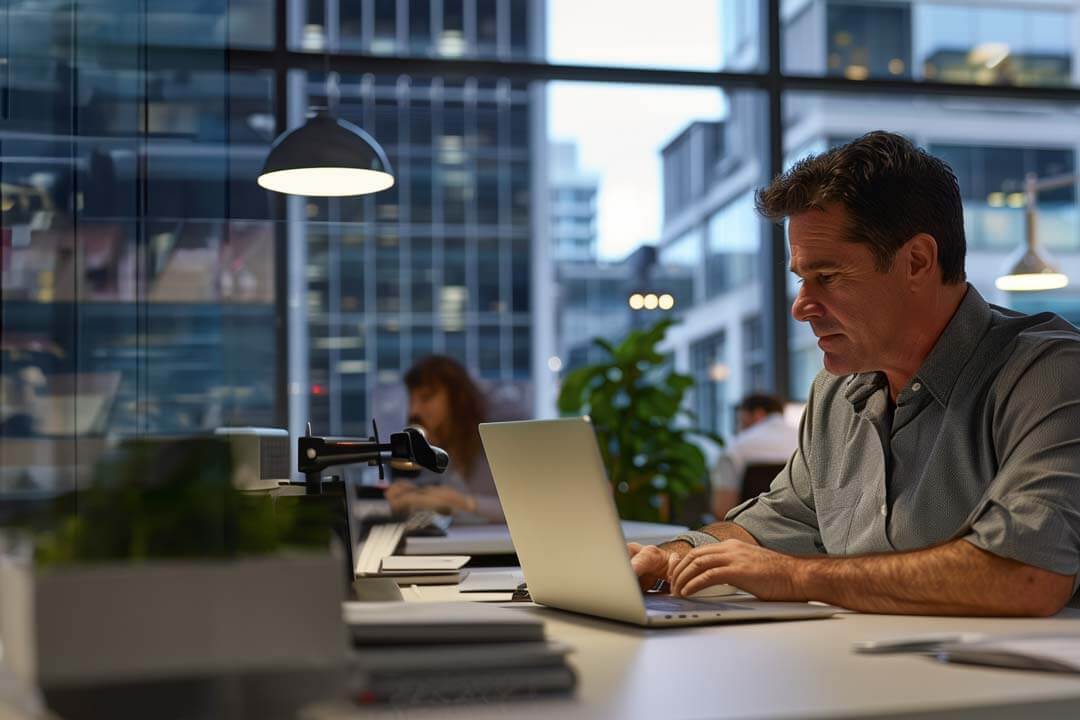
552	158
710	370
733	246
984	42
138	254
988	144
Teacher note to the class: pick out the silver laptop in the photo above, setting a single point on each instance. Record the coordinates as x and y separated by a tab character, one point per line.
562	519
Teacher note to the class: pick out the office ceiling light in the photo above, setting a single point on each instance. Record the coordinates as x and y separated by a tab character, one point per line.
326	157
1027	269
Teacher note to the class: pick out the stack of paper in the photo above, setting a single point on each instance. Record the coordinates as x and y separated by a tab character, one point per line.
1054	653
408	653
376	559
424	569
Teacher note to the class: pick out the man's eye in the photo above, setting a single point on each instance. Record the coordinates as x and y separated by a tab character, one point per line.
826	278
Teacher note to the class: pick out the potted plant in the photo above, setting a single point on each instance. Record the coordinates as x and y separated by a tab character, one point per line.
635	400
163	570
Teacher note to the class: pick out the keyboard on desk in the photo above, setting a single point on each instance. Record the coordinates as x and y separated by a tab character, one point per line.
666	603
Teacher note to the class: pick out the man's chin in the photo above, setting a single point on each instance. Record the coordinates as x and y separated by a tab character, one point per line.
838	365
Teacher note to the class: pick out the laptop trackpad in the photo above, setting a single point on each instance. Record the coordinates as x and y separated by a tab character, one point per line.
666	603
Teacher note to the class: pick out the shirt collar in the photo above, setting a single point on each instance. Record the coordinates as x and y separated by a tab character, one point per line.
941	368
952	351
862	385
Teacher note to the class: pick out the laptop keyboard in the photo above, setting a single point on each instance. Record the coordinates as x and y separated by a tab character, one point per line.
666	603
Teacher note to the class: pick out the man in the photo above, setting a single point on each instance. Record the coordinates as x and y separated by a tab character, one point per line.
764	437
938	467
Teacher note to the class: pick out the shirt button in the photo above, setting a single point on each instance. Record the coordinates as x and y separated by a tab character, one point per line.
884	509
917	387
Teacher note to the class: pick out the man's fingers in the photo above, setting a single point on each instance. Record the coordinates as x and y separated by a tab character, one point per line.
644	559
712	576
633	548
692	556
693	567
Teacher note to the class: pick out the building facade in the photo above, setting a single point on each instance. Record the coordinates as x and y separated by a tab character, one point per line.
991	145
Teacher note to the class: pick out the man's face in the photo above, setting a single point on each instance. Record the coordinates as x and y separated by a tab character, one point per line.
853	309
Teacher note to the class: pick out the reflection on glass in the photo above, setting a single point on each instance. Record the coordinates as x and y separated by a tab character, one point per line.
448	248
733	244
990	158
137	258
486	29
951	41
710	370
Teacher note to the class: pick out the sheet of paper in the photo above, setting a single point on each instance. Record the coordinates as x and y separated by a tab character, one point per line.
421	563
502	581
1060	653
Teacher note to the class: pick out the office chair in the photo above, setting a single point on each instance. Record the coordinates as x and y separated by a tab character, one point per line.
757	478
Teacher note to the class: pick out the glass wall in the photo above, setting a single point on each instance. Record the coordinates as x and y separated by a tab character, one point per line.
984	42
138	260
440	263
990	146
145	282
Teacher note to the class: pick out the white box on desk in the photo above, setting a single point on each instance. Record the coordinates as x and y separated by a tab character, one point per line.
93	624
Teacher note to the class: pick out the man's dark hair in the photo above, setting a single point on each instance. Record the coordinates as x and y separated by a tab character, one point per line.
892	190
761	401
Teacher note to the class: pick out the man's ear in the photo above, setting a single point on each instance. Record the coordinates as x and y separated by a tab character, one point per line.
921	259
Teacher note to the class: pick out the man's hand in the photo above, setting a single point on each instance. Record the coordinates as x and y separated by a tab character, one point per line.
767	574
652	564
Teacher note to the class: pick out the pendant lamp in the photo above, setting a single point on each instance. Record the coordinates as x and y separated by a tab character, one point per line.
1028	269
327	157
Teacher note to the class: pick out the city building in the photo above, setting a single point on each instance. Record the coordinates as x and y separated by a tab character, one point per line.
709	220
573	205
441	262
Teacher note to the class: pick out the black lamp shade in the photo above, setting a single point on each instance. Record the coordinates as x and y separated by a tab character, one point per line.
326	157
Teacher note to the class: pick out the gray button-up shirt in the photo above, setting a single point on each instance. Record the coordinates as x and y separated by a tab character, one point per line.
983	444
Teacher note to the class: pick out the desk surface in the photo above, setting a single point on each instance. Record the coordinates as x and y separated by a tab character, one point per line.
495	539
802	669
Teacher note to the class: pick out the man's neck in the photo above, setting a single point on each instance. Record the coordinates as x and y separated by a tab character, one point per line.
937	309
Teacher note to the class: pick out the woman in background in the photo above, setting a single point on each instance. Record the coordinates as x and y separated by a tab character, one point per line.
448	405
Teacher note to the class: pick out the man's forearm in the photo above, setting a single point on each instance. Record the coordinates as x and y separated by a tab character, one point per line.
952	579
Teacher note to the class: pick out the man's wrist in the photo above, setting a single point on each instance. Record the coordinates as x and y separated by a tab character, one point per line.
806	579
697	538
678	547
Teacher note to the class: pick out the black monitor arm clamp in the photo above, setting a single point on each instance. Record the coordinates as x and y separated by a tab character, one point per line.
408	446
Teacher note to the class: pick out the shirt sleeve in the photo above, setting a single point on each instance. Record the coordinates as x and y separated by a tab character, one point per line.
1031	511
784	518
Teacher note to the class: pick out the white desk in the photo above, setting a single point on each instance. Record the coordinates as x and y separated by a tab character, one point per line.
495	539
775	670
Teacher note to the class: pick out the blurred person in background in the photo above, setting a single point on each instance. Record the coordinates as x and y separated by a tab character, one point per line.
763	436
447	404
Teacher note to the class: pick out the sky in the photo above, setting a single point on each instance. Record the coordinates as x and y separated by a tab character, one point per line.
621	129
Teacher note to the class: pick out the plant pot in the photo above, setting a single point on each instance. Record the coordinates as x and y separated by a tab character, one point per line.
119	624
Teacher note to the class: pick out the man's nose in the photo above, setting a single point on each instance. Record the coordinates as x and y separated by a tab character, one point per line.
805	308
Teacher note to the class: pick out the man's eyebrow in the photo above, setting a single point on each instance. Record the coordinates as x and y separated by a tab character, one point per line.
816	265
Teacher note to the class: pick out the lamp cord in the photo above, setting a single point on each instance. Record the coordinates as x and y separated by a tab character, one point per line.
333	83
